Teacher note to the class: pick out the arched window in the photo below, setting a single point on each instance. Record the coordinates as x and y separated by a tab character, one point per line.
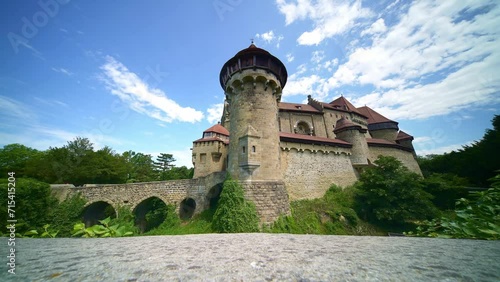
303	127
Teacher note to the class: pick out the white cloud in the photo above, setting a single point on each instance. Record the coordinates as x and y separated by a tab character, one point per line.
376	27
215	113
317	56
142	98
63	70
430	150
302	85
329	17
15	109
270	37
418	67
290	57
266	36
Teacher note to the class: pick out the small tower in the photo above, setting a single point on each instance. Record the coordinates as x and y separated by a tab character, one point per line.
252	81
379	126
354	134
210	151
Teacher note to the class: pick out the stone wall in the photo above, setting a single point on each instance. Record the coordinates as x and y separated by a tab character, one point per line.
407	158
270	198
132	194
209	157
309	170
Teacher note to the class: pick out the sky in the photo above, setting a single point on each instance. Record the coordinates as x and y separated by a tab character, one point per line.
143	75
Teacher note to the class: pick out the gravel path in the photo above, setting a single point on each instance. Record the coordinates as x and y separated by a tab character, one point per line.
253	257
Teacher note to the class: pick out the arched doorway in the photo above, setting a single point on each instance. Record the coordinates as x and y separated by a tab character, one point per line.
187	208
150	213
97	211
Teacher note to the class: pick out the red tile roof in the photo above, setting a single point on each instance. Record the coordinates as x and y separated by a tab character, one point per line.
344	123
373	116
218	129
342	104
211	139
297	107
300	138
403	136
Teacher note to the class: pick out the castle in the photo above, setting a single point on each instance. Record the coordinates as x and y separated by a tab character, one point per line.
286	151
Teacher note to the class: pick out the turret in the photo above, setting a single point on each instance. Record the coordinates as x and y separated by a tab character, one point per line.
253	81
354	134
210	151
379	126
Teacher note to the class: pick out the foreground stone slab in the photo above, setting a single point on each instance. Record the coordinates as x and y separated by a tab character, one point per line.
253	257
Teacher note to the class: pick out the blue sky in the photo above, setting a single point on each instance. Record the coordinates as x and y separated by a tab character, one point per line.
143	75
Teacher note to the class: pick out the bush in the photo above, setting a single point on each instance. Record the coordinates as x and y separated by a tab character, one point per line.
32	199
234	214
390	194
474	219
65	214
446	189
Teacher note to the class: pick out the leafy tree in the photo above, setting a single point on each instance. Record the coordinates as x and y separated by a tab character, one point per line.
446	189
140	167
179	173
163	164
477	162
63	215
478	218
15	158
234	213
33	200
390	193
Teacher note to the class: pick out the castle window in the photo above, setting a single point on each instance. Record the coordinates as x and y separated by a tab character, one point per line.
303	127
203	158
243	149
253	149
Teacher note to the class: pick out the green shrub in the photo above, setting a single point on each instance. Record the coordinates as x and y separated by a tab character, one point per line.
33	201
234	214
478	218
391	194
446	189
65	214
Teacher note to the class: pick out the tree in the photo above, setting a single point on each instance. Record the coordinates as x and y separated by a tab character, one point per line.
476	218
163	164
477	162
16	157
33	201
140	167
234	213
390	193
446	189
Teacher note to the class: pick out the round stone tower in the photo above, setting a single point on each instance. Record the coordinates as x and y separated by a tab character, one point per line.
354	134
252	81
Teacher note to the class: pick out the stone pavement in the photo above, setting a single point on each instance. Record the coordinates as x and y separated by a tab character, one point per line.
253	257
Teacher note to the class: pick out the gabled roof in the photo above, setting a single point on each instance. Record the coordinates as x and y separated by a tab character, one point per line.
297	107
342	104
308	139
373	116
218	129
403	136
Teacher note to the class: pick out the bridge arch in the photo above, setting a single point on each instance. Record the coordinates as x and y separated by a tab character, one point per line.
98	210
187	208
149	213
213	195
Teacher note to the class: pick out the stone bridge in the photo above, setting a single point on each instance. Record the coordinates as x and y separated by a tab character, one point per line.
189	196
